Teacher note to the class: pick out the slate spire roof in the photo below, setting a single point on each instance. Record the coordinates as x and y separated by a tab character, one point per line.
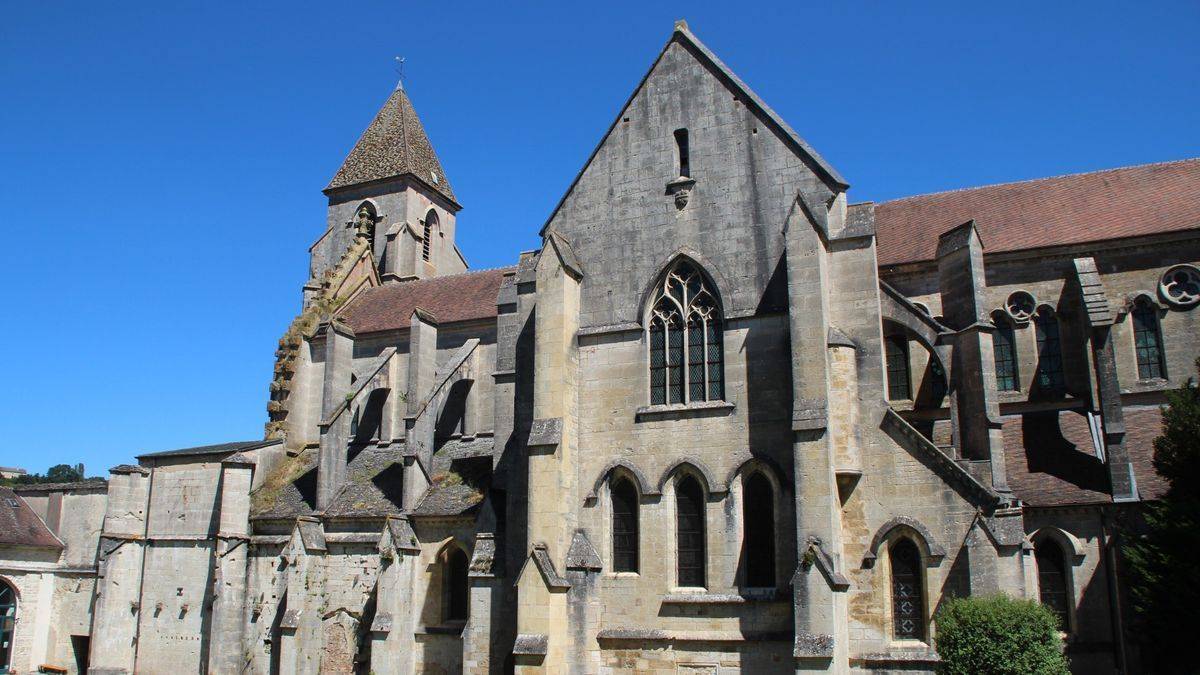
395	144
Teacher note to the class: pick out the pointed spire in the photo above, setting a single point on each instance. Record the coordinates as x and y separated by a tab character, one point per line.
395	144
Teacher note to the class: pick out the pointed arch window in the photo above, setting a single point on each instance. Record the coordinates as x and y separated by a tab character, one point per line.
908	591
758	521
689	533
455	580
1147	341
624	526
431	221
1049	351
1004	349
686	357
1052	579
8	622
899	384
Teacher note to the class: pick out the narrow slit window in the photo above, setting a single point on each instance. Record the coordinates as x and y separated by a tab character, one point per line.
758	519
908	591
1147	340
1052	579
1004	345
625	526
681	148
689	532
1049	344
899	385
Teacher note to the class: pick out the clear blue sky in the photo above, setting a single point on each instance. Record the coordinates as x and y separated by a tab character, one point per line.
161	164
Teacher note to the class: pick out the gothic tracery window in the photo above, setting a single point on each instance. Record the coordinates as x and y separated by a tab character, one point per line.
8	619
686	359
908	591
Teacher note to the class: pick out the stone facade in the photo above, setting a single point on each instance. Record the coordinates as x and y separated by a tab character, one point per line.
437	488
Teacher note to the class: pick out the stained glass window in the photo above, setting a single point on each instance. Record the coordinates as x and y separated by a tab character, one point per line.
1049	363
908	591
1004	347
689	532
625	526
1147	341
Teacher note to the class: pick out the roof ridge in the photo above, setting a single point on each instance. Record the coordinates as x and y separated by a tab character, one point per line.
451	276
1041	179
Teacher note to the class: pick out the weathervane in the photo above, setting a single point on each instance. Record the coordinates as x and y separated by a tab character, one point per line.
400	72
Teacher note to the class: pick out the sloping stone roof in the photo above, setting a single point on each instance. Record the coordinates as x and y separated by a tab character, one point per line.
1051	461
218	449
373	487
20	526
458	297
1080	208
395	144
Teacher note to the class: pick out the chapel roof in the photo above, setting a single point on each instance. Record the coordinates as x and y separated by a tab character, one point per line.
1050	459
394	144
20	526
218	449
454	298
1074	209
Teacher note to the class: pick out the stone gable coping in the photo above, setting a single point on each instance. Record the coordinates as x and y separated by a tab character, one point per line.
530	644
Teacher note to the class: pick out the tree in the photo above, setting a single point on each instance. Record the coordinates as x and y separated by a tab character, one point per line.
1163	575
64	473
998	635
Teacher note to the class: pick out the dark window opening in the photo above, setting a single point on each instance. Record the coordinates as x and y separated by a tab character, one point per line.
758	518
1147	340
625	526
1004	348
908	591
456	585
681	147
899	384
690	544
8	623
1052	579
937	379
1049	344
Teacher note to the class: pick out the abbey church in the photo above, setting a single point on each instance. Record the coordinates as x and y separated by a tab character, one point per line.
725	419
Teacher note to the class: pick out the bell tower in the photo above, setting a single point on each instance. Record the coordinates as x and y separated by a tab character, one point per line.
392	189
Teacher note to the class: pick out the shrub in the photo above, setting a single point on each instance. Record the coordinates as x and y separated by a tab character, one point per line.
998	635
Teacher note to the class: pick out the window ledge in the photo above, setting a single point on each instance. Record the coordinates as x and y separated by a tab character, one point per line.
742	597
450	628
1154	383
684	410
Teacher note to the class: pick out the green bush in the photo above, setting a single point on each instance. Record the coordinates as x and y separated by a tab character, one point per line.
998	635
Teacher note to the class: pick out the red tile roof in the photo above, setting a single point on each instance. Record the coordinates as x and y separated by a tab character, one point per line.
20	526
1051	461
1080	208
459	297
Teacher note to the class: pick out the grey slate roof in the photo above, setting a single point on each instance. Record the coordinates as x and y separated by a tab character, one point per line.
395	144
218	449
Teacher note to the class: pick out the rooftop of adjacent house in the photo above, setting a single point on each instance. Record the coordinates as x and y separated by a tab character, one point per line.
450	299
20	526
1074	209
218	449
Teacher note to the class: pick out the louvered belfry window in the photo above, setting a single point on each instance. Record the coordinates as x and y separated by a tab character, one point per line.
908	591
686	358
625	526
689	532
